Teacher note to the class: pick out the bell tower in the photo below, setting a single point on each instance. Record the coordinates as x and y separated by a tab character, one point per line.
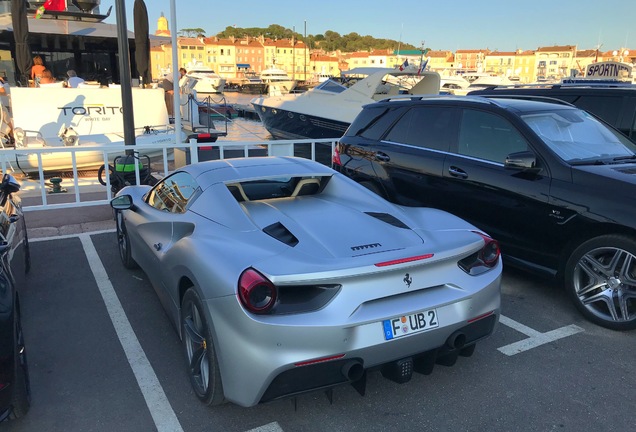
162	26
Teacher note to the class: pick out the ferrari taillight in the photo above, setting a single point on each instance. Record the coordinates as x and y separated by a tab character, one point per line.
256	293
483	260
489	254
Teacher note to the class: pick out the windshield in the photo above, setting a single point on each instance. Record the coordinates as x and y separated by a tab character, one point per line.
331	86
577	137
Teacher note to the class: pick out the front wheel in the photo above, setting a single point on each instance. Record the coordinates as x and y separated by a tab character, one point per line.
203	366
600	277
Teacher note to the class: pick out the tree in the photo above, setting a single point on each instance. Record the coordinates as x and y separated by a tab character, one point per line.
192	32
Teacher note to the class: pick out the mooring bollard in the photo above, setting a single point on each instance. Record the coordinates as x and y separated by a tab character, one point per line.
56	185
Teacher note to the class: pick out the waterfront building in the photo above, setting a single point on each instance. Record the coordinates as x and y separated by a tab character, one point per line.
500	63
358	59
382	58
290	55
470	60
400	56
442	62
321	64
525	66
250	56
554	62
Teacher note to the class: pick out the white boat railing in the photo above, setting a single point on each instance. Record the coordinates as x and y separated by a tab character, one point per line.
41	186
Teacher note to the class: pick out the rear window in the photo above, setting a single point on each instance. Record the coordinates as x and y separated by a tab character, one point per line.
372	122
277	187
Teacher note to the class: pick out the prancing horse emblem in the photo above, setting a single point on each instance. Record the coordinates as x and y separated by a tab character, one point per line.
407	280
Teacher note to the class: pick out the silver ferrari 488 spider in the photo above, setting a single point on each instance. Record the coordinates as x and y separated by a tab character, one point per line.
283	276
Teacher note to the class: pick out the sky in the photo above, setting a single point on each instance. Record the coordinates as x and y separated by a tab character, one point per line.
503	25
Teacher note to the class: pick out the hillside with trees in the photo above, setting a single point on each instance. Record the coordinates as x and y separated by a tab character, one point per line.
329	41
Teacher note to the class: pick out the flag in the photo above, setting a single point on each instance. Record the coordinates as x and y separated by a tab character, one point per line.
51	5
422	66
404	65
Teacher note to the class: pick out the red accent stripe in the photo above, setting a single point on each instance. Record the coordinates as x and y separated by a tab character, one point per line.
480	317
206	148
320	360
404	260
204	135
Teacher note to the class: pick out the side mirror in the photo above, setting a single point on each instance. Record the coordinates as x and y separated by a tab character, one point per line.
122	202
523	161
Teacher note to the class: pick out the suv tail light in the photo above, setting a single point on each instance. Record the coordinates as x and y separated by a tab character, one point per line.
335	157
482	260
256	293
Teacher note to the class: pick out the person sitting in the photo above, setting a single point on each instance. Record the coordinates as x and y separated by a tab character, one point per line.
73	80
48	80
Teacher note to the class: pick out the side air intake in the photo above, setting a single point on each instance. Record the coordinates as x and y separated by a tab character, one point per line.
280	233
390	219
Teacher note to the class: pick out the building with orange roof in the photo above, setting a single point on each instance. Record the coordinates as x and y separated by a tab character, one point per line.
554	62
500	63
470	60
525	66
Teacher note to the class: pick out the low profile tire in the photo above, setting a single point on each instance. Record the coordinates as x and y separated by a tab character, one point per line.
203	366
21	396
123	243
600	277
373	188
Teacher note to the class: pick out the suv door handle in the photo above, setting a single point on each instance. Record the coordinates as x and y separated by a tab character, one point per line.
457	172
382	157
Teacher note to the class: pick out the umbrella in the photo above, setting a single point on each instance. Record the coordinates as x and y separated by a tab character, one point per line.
23	59
142	40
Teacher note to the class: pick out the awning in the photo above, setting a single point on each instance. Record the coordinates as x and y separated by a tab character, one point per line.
242	65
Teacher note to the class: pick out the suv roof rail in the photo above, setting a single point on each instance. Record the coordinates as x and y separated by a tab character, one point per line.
581	83
527	97
402	97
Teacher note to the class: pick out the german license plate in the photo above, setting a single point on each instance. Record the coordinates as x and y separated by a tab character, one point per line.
408	324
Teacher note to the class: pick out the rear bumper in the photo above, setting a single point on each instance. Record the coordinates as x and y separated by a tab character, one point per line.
332	373
264	360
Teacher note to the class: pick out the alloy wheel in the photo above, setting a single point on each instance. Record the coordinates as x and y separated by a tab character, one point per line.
195	338
605	283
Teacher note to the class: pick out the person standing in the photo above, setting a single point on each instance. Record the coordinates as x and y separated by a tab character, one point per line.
36	70
73	80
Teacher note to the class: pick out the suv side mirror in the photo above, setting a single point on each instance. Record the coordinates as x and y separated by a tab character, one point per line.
524	161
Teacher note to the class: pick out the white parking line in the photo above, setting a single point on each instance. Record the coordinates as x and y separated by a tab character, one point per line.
162	413
270	427
535	338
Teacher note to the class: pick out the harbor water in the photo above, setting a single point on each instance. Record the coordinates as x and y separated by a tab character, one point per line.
241	129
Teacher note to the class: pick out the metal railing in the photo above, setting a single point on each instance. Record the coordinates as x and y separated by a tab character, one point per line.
40	186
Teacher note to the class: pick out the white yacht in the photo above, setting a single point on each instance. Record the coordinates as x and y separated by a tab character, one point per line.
278	81
328	109
208	81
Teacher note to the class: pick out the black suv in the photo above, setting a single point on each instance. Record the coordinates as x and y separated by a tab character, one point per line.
614	103
554	184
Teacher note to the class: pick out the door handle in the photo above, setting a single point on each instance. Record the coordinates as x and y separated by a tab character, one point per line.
457	172
382	157
157	246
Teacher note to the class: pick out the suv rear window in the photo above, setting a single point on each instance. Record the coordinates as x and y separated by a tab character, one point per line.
372	122
424	126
